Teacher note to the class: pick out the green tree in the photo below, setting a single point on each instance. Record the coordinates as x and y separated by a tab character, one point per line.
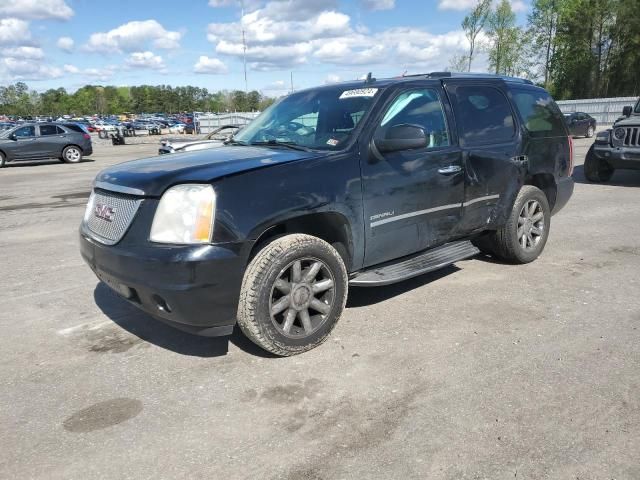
504	38
473	24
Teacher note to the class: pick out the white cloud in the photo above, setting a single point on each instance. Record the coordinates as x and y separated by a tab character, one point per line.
27	69
102	74
23	52
36	9
146	59
378	4
133	36
14	31
461	5
209	65
332	78
65	43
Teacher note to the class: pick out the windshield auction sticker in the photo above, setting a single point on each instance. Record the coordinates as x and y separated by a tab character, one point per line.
360	92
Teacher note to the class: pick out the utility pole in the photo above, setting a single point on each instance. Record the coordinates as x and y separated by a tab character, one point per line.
291	82
244	47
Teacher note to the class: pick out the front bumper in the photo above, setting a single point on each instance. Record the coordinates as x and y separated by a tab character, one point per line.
193	288
618	157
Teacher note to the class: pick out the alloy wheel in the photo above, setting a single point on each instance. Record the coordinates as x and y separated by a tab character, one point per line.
530	225
302	297
72	154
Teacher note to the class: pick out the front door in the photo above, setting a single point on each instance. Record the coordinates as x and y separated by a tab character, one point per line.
412	198
24	146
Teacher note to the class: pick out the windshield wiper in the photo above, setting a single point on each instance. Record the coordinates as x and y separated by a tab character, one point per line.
231	141
276	143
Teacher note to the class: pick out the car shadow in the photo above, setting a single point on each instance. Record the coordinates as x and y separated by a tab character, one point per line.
147	328
367	296
35	163
620	178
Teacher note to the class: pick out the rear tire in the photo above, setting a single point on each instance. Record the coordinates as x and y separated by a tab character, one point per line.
3	160
590	132
525	234
72	154
293	293
595	169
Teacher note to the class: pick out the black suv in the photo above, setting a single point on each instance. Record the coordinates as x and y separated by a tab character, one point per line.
618	147
35	141
361	184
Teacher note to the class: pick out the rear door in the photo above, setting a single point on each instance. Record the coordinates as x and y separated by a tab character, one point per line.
489	140
412	198
50	141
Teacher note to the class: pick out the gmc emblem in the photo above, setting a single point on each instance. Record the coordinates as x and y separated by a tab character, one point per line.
105	212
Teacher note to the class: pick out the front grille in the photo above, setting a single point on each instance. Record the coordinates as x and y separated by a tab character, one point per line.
109	215
632	137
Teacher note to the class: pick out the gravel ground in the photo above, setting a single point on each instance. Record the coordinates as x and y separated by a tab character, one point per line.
479	371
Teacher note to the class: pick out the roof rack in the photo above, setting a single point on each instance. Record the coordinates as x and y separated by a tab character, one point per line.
506	78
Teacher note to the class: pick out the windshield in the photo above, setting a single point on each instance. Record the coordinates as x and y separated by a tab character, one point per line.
318	119
637	109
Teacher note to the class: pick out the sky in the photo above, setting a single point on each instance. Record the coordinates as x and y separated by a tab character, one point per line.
71	43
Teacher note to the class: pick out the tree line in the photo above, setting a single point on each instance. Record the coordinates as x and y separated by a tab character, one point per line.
19	100
574	48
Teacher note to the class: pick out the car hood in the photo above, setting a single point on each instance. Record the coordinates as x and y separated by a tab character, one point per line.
632	121
152	176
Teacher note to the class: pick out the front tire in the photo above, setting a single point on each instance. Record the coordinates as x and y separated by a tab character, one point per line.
3	160
293	293
595	169
72	154
590	132
525	234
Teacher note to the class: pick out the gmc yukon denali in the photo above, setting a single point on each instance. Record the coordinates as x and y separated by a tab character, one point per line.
358	184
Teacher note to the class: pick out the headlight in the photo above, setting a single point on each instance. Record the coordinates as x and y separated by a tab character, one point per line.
89	210
185	215
619	133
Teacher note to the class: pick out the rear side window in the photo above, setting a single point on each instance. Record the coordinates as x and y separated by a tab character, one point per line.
74	127
484	115
48	130
540	114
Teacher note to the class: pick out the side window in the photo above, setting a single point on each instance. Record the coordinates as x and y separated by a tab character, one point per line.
47	130
540	114
418	107
29	131
59	130
484	115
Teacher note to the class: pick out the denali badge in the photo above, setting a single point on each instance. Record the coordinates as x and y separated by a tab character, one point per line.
105	212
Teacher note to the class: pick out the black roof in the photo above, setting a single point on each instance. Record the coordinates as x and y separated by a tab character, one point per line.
384	82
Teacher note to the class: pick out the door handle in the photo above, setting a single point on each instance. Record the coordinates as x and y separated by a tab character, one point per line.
450	170
521	160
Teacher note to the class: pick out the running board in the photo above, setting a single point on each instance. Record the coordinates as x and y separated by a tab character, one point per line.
403	269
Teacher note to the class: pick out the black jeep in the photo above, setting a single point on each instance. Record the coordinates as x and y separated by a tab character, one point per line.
362	184
618	147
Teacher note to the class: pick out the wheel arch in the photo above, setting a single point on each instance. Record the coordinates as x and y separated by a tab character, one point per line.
73	145
332	227
547	183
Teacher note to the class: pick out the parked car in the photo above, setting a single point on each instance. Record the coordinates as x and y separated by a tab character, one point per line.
362	184
581	124
615	148
177	128
33	141
212	140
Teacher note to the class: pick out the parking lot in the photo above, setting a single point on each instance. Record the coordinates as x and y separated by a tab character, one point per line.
479	371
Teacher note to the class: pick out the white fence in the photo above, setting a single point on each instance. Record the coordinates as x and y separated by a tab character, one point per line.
605	110
207	122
